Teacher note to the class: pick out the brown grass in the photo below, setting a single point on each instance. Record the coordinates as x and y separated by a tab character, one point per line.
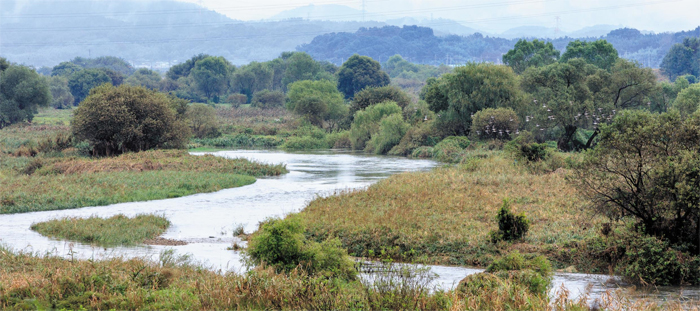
445	216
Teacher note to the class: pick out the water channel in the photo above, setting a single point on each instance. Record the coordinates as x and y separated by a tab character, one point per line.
206	221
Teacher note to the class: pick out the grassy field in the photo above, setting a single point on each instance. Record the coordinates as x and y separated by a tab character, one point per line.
117	230
444	216
41	170
51	116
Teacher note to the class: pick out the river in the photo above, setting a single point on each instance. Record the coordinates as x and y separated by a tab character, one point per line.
206	221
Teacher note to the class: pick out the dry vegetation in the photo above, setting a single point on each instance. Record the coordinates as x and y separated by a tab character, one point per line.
445	216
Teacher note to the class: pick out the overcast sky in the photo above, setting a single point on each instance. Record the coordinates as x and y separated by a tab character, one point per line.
498	15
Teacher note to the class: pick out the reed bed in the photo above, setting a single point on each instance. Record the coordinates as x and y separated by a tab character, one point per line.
117	230
444	216
30	281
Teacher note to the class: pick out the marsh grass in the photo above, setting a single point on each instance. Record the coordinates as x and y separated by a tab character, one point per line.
444	216
30	282
117	230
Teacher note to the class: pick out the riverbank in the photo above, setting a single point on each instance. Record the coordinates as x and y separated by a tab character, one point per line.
40	170
445	216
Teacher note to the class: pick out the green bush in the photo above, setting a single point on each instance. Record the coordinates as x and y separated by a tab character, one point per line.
267	99
422	152
366	122
514	272
339	140
417	136
305	143
391	129
450	149
510	226
500	123
525	148
281	243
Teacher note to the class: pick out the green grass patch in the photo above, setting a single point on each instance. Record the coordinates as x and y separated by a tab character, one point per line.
52	116
21	194
117	230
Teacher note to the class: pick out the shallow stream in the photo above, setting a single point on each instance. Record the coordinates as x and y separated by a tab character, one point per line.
206	221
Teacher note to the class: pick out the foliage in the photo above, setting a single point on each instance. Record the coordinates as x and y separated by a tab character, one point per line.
22	91
358	73
202	120
300	66
375	95
683	58
112	63
510	226
688	100
146	78
114	231
457	96
237	99
305	143
599	53
450	149
211	75
391	129
530	54
500	123
81	82
534	275
421	134
183	70
267	99
366	123
525	148
645	169
399	68
60	93
252	78
120	119
318	101
65	69
280	243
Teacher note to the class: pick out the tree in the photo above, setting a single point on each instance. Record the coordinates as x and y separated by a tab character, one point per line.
682	58
252	78
600	53
107	62
366	123
65	69
183	70
146	78
300	66
128	118
359	72
81	82
318	101
688	101
530	54
645	168
22	91
457	96
211	75
499	123
115	77
4	64
62	98
267	99
202	120
374	95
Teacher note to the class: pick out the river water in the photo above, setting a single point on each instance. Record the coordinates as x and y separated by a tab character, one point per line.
206	221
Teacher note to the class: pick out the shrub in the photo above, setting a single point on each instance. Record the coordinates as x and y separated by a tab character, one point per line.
237	100
450	149
267	99
366	122
513	272
305	143
510	226
500	123
202	120
127	118
339	140
280	243
375	95
419	135
391	129
525	148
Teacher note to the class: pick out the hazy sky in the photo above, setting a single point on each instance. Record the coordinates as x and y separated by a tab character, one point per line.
498	15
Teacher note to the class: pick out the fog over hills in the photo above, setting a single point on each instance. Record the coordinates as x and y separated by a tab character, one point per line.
160	33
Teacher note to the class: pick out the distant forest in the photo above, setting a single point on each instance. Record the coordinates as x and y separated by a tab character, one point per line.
420	45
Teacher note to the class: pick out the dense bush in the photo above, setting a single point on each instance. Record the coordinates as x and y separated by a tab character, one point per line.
202	120
236	100
391	129
305	143
22	92
375	95
526	149
120	119
514	272
280	243
499	123
366	122
267	99
510	226
450	149
421	134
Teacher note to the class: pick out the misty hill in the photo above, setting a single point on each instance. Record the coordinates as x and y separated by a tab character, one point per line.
326	12
158	33
421	45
